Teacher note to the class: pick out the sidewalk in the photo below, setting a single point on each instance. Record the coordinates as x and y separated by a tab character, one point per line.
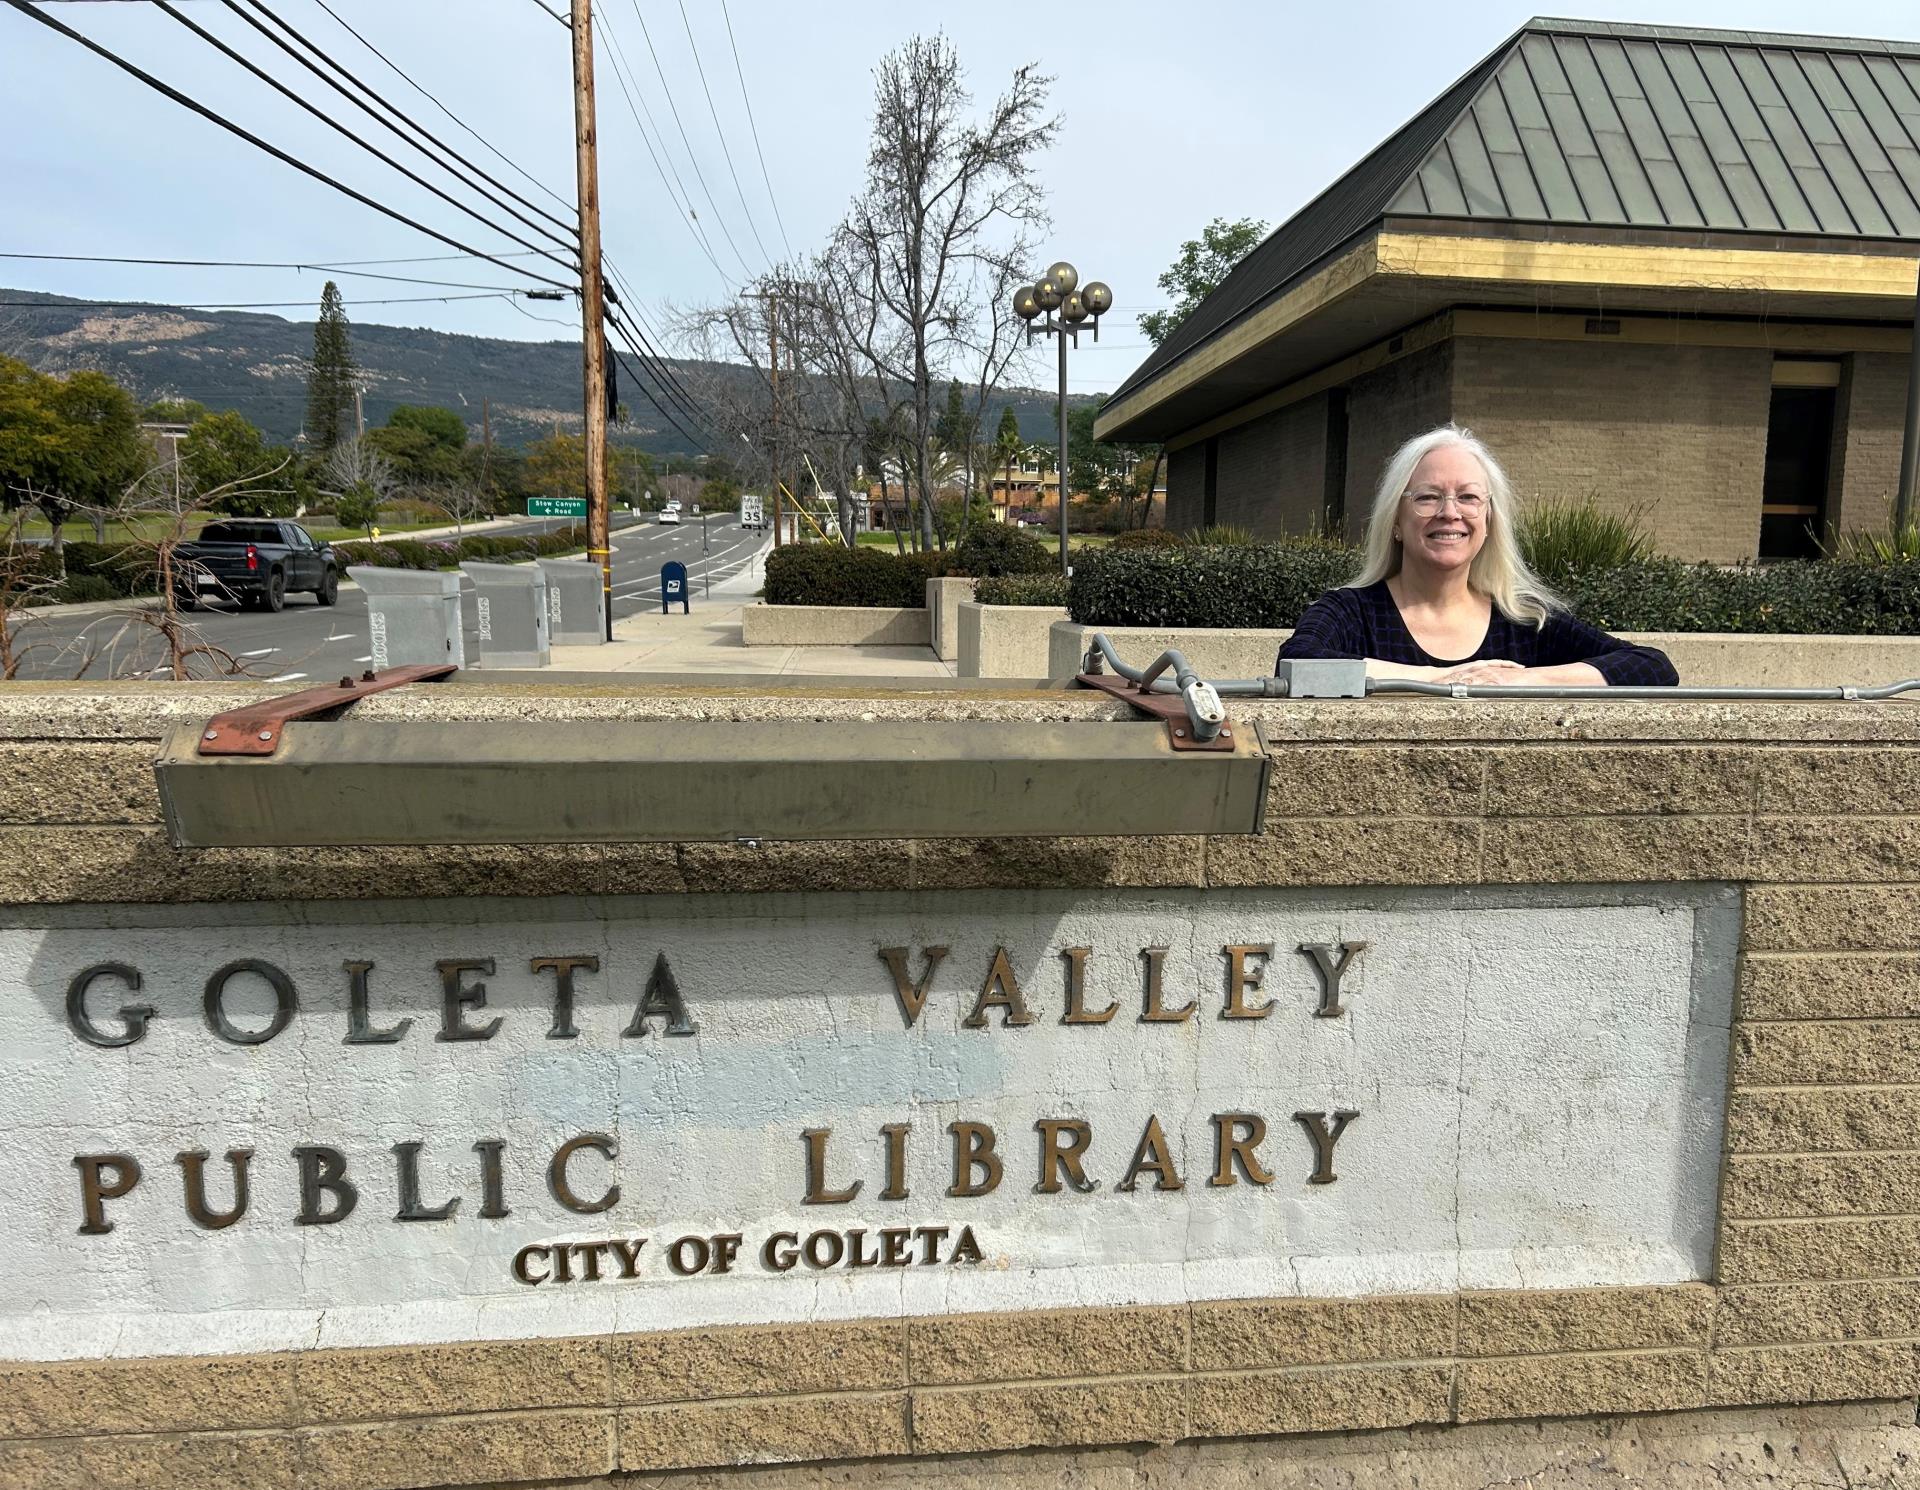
707	642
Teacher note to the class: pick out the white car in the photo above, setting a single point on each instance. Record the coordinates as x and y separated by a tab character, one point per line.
670	515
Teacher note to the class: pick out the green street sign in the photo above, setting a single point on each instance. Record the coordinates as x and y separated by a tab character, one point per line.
556	506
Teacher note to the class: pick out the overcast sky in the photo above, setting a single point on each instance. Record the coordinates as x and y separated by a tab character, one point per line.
1173	114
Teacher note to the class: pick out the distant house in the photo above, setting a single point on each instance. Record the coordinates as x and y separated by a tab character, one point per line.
1672	270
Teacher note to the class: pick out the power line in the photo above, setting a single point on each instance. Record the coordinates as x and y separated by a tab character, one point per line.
746	98
167	91
241	305
663	375
417	88
571	229
372	149
683	203
632	304
692	159
701	68
405	279
648	392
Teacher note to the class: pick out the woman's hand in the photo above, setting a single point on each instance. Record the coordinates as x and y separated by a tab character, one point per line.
1484	670
1511	674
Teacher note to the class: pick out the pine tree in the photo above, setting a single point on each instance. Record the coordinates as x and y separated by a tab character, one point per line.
330	382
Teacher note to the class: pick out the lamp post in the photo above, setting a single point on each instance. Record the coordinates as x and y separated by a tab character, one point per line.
1067	307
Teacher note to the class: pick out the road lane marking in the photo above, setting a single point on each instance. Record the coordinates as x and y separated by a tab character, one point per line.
345	636
263	652
367	658
287	678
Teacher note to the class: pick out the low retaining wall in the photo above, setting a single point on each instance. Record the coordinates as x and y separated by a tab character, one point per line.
1534	1060
944	598
1005	641
834	626
1707	659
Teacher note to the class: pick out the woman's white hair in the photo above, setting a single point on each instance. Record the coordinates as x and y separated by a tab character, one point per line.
1498	571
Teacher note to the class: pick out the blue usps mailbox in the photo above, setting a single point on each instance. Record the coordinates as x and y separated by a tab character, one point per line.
673	586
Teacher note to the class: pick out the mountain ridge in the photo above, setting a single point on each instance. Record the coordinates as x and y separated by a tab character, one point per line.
256	364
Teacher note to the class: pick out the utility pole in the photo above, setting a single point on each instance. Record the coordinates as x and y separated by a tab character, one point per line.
592	305
359	413
773	369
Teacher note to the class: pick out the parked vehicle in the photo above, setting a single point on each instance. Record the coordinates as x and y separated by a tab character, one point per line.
753	512
256	561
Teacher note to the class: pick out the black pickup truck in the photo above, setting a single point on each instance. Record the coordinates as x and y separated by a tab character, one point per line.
256	561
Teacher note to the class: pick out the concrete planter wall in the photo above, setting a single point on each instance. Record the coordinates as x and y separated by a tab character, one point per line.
944	599
1005	641
833	626
1705	659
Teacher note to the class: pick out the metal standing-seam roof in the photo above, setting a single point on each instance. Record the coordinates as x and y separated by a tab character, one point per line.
1602	124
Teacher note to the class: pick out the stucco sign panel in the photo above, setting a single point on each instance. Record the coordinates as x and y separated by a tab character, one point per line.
277	1126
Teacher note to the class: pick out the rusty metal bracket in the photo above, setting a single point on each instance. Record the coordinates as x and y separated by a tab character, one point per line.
258	728
1166	707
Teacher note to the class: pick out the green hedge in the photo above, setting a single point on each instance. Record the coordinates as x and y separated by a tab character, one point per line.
449	553
1023	589
1269	585
1834	597
830	574
1239	585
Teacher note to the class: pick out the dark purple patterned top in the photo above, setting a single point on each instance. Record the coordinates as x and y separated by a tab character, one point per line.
1366	623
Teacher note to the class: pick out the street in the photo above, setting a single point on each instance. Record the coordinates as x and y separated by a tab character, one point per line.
311	641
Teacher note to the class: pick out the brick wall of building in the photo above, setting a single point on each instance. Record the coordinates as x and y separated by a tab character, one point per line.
1385	409
1679	432
1273	471
1867	436
1186	481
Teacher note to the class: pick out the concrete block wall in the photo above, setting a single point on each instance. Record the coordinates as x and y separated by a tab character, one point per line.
1186	487
1385	409
1273	471
1870	426
1679	433
1813	1298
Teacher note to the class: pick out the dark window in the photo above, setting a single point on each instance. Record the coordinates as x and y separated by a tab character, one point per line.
1793	510
1336	489
240	533
1210	488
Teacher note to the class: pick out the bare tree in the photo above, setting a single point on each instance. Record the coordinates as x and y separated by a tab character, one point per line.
941	227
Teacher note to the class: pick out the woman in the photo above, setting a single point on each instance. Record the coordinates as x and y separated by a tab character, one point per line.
1444	595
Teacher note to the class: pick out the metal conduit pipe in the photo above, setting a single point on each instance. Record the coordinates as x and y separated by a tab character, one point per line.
1150	679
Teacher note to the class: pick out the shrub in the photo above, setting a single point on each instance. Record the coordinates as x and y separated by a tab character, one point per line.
830	574
1888	545
126	569
1147	538
1562	538
1269	585
1236	585
1221	535
1048	589
78	589
993	548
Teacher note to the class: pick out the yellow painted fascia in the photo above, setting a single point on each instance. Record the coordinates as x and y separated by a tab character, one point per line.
1319	290
1645	266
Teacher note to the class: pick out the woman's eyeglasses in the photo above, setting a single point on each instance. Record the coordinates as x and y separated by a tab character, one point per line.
1427	503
